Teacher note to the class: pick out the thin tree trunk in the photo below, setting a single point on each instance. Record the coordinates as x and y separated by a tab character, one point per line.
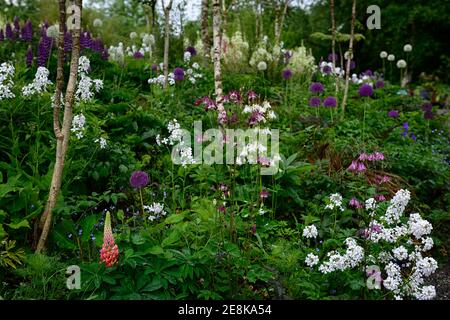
206	40
62	134
166	41
333	39
217	54
279	21
225	15
350	52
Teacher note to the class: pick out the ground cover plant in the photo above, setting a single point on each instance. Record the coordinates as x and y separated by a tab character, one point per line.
251	150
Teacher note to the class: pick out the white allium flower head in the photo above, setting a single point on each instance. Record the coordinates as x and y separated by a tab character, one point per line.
53	31
383	54
262	65
133	35
347	55
407	48
401	64
98	23
391	57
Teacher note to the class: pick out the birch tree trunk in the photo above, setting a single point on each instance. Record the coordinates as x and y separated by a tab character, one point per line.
166	41
217	55
62	133
279	20
206	40
350	52
333	39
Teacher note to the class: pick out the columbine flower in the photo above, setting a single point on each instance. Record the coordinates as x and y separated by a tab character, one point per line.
109	253
178	74
252	95
310	231
262	65
316	87
139	179
287	74
401	64
391	57
383	54
330	102
365	90
393	114
315	102
407	48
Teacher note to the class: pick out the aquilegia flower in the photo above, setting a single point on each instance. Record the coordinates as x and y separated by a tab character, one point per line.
330	102
109	253
139	179
314	102
393	114
316	87
379	84
178	74
365	90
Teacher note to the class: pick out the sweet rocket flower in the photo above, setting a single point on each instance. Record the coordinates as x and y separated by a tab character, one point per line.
310	231
315	102
316	87
139	179
286	74
178	74
393	114
330	102
365	90
311	260
109	254
380	197
6	81
39	83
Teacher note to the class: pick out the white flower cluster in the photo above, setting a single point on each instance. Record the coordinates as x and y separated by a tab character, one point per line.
310	232
311	260
363	78
84	90
262	111
192	71
148	40
6	81
78	123
155	210
39	83
260	58
117	54
335	202
302	61
160	79
183	148
396	207
353	255
326	69
102	142
371	205
235	52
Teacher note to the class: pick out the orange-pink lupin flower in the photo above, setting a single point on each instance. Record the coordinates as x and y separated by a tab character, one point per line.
109	253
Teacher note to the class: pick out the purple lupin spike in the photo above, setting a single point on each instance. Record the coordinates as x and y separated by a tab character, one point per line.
8	32
2	35
27	31
29	57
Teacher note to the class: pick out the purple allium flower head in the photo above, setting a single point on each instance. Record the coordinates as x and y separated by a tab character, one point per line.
154	67
352	64
368	72
428	115
192	51
287	74
27	31
316	87
330	102
105	54
427	107
425	94
138	55
178	74
314	102
379	84
2	35
139	179
251	95
393	114
29	57
8	31
330	57
365	90
67	42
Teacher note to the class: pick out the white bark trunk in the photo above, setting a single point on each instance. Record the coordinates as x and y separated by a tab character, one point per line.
350	52
166	41
217	54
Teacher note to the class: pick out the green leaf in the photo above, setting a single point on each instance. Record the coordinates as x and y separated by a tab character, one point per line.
174	218
21	224
155	250
153	286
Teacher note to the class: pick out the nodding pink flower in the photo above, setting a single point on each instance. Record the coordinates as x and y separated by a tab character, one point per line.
361	167
386	179
355	203
353	167
264	161
363	156
378	156
264	194
251	95
380	197
109	254
370	157
223	187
